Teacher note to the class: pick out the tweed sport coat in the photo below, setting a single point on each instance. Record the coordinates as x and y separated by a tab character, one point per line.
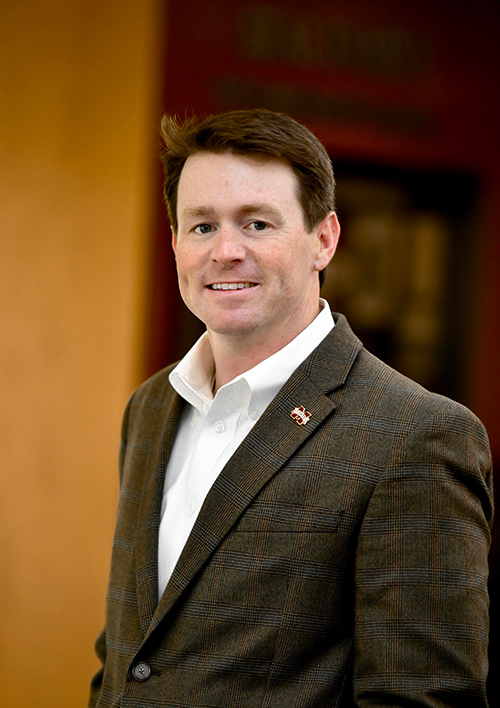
338	563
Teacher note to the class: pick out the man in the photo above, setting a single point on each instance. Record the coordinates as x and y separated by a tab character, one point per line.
299	525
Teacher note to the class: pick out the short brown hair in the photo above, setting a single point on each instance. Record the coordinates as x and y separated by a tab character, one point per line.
257	132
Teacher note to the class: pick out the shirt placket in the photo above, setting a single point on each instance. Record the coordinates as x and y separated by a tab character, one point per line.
218	432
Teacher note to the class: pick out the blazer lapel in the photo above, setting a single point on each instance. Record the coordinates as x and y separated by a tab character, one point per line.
149	514
268	446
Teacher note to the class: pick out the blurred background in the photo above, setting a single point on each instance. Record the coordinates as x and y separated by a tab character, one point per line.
403	93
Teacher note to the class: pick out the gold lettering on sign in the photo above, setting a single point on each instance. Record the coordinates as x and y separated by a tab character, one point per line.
270	34
236	92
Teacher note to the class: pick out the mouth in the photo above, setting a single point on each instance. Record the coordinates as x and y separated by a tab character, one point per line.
231	286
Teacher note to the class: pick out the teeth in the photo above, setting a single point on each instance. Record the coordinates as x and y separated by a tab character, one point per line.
231	286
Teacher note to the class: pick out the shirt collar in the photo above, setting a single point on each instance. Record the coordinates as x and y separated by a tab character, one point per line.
193	376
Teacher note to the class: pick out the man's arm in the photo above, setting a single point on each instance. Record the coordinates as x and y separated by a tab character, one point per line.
96	683
421	604
100	644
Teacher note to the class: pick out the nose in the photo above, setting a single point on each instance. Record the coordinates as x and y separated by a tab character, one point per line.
227	247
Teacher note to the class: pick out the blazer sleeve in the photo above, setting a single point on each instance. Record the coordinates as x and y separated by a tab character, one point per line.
100	643
421	603
96	683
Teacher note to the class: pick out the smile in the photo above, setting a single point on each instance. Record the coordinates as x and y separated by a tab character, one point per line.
231	286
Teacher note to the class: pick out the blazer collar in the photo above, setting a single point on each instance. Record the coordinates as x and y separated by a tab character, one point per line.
265	450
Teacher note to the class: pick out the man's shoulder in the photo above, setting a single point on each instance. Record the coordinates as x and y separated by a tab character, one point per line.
378	387
398	390
157	383
153	394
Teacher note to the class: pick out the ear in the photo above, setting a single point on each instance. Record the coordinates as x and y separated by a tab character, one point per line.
328	233
174	243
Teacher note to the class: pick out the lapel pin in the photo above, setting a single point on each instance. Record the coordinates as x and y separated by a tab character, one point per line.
300	415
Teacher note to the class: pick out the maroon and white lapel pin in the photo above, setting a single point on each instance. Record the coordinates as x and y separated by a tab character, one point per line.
300	415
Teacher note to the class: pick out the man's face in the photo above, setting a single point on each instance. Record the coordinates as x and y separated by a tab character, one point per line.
246	264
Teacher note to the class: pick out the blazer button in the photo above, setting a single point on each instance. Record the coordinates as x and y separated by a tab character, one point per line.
141	671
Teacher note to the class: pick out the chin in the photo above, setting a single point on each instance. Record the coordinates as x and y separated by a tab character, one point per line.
232	327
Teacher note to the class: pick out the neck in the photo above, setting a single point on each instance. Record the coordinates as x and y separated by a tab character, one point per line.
231	361
233	355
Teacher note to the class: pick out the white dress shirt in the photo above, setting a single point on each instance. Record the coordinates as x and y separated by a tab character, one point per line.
212	427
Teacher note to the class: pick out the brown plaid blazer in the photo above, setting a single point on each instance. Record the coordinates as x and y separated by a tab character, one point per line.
338	563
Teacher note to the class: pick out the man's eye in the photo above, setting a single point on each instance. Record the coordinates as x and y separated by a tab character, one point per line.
203	229
258	225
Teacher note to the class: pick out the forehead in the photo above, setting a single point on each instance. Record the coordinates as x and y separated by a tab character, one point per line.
225	176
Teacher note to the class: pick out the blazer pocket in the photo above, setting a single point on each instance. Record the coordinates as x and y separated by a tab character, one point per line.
265	517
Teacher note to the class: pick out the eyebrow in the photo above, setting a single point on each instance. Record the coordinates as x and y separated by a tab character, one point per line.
197	211
246	209
260	209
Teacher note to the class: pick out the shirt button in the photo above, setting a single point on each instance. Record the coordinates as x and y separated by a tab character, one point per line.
220	427
141	671
191	508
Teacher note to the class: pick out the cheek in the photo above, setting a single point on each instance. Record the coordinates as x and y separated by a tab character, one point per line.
186	262
293	263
